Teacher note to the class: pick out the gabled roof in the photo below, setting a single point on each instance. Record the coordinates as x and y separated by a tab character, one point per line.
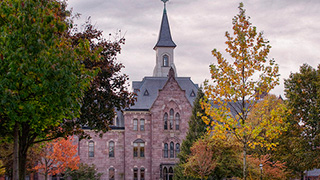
165	39
153	85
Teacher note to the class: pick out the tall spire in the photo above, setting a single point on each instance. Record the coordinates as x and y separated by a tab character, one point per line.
165	39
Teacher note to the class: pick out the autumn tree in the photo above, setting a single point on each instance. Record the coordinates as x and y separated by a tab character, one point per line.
238	85
201	163
197	129
2	168
300	144
213	158
41	75
58	156
270	169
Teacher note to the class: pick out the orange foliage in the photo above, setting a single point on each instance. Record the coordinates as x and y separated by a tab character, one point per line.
201	163
270	170
57	156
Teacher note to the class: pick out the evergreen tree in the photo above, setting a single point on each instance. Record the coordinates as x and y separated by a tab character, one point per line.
197	128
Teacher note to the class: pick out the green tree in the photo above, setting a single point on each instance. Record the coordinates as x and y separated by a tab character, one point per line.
84	172
236	87
108	91
197	128
42	79
301	143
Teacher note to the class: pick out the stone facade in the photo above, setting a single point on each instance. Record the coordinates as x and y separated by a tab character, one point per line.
146	138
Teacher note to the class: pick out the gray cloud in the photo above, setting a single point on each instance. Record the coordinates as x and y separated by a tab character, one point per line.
198	26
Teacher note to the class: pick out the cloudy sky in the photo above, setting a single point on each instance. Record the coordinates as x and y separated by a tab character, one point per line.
198	26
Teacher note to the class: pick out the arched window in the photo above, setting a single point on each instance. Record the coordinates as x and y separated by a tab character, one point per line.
177	121
138	148
177	149
135	174
111	149
111	174
170	173
91	149
135	124
165	173
165	151
165	120
142	176
171	150
171	118
165	59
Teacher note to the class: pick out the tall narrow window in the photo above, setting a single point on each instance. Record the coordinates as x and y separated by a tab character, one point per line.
111	149
177	121
177	149
170	173
142	174
135	124
91	149
141	149
141	124
165	151
165	120
165	60
171	118
165	173
135	174
171	150
135	149
111	174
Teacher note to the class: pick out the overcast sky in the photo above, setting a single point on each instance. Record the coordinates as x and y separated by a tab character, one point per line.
199	26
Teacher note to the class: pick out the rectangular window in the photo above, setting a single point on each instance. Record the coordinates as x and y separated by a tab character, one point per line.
141	149
141	124
135	124
135	149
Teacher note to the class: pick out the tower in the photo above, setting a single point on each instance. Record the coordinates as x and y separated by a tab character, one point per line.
164	48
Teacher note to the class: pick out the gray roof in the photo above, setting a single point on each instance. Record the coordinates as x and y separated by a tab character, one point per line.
165	39
147	90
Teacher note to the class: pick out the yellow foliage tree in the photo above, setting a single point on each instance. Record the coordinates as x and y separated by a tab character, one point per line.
2	168
236	88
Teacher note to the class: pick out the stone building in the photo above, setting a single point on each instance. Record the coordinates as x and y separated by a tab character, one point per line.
146	138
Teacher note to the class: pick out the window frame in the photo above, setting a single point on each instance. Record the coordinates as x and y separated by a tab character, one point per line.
142	125
135	124
165	60
91	149
177	150
171	149
114	173
165	151
111	149
171	118
177	118
165	119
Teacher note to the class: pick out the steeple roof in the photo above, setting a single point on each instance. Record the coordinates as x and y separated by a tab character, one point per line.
165	39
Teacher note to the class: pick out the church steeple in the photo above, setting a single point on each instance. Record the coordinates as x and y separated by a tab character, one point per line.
164	48
165	39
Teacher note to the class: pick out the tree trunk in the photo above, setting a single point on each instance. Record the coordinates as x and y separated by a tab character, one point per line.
22	165
16	152
245	161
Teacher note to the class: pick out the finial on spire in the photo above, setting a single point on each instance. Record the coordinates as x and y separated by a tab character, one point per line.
164	3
